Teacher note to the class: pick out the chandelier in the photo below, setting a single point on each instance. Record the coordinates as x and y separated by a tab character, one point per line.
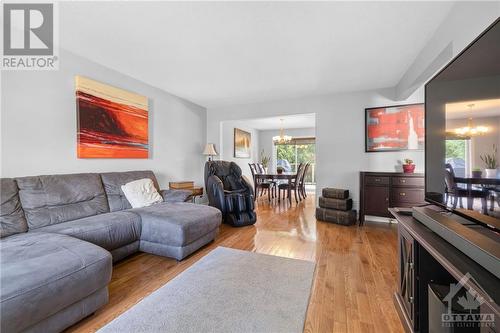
470	129
282	138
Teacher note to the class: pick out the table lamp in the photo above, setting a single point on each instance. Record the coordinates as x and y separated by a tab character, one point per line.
210	151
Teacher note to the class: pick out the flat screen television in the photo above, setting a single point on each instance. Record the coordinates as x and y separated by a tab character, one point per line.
462	137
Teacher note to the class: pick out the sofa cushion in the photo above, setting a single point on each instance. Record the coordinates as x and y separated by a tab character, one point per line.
43	273
110	230
113	182
12	220
177	223
54	199
141	193
176	195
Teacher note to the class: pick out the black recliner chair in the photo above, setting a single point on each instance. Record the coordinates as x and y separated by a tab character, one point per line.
230	192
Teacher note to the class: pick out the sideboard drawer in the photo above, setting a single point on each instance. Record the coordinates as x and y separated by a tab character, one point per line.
407	181
401	196
380	190
375	180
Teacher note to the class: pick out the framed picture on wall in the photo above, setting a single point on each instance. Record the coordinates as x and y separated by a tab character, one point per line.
394	128
111	122
242	143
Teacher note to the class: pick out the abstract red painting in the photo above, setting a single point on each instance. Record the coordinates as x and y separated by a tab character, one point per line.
111	122
393	128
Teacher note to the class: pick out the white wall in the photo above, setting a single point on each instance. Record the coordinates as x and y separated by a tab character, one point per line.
38	128
227	146
266	143
340	152
466	20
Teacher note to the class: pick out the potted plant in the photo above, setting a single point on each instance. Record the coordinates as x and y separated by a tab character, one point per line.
491	163
280	170
476	173
408	166
264	160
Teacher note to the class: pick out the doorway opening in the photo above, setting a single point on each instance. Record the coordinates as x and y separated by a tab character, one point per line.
297	144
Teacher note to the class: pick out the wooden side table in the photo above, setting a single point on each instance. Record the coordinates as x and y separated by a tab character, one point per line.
196	191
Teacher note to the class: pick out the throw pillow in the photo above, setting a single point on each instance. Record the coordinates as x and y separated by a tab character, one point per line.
141	193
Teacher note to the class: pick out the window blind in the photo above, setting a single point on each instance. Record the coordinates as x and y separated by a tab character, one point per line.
298	141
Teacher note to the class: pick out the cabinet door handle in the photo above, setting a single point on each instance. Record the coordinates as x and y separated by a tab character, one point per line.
402	194
403	180
386	199
377	179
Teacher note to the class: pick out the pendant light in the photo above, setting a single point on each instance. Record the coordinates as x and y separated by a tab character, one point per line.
282	138
471	130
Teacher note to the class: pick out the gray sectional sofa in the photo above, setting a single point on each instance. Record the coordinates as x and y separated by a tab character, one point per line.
60	235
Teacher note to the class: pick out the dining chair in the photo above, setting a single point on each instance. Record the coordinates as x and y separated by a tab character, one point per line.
253	168
260	183
494	196
456	193
263	170
294	186
302	183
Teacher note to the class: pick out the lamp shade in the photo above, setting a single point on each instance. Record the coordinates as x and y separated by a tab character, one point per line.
210	150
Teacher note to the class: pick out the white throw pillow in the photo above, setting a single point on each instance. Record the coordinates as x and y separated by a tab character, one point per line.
141	193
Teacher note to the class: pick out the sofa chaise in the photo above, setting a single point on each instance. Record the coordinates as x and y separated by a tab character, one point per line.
60	235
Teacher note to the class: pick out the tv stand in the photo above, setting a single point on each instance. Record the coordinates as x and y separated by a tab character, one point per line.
427	259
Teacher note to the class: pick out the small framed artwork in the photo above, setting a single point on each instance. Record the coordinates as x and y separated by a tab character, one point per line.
394	128
242	143
111	122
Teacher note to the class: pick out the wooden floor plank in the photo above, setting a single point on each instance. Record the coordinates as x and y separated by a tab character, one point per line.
354	280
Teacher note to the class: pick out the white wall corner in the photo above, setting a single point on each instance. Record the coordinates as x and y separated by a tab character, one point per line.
418	73
465	22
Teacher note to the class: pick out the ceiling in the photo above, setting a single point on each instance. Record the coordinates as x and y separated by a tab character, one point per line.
480	109
222	53
307	120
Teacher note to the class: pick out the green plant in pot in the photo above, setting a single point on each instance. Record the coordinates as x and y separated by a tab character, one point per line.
477	173
264	159
491	163
408	166
280	170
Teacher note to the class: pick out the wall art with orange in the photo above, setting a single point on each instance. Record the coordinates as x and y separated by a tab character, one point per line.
111	122
393	128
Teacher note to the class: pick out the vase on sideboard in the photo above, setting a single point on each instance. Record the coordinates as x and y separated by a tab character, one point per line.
491	173
408	168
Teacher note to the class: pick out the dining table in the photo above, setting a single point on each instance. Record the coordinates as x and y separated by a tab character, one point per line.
289	176
469	181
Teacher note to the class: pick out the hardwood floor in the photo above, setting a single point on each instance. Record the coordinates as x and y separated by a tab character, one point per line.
354	280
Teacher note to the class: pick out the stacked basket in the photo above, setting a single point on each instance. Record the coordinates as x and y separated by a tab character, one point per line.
336	206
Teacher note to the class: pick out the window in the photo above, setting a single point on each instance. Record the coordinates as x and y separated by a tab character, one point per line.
457	154
299	150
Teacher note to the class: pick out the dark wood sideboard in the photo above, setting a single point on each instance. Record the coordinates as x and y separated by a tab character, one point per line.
380	191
